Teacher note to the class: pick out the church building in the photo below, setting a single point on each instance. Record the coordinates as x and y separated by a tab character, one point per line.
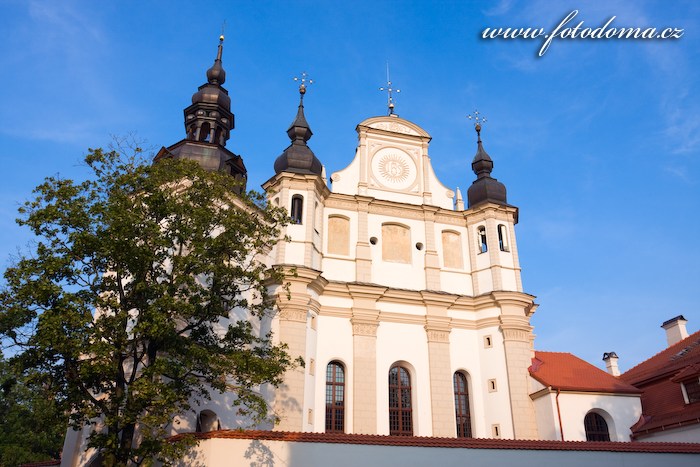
406	301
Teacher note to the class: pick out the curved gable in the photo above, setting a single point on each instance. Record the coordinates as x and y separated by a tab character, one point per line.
395	125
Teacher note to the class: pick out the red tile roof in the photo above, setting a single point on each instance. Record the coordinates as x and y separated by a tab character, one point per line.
566	372
473	443
42	463
659	378
671	360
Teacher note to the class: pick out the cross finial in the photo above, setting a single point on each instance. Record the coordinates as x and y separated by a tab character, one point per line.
389	90
478	121
223	31
304	80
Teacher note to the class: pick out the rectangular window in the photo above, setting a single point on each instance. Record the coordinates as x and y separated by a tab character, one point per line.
692	390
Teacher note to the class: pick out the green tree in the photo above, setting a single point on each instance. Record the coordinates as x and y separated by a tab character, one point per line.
33	426
124	305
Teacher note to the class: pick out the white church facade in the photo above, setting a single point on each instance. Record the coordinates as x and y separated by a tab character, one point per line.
400	297
405	300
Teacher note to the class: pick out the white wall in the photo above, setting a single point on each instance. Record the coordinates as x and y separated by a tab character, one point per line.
686	434
619	411
253	452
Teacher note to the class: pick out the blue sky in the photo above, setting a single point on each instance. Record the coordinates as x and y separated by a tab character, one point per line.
598	141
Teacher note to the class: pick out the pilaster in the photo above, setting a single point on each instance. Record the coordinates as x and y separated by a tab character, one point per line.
437	328
363	253
365	321
493	250
432	260
517	342
289	399
295	305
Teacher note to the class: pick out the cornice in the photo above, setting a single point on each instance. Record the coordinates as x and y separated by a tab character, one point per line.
376	206
297	181
454	302
491	211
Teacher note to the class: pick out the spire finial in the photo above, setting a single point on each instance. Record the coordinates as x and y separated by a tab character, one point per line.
302	85
389	90
216	74
478	120
298	157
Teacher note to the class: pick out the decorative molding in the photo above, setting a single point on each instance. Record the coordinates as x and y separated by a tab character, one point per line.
435	335
394	127
403	318
341	204
315	305
396	212
516	335
444	218
458	304
335	311
293	314
365	329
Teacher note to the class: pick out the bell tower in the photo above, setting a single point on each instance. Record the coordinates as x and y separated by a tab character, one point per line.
208	125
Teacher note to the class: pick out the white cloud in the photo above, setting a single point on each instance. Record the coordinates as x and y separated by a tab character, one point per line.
501	8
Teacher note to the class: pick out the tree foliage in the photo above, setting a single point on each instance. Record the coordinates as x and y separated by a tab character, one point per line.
33	426
127	302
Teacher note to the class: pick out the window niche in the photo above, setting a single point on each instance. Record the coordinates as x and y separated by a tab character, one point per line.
462	411
400	405
451	250
691	390
396	243
335	397
297	210
207	421
339	235
481	238
596	427
503	238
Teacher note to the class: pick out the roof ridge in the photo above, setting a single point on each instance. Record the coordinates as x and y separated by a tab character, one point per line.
667	349
568	372
434	441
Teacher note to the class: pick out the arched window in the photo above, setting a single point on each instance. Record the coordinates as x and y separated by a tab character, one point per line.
462	412
338	235
596	427
335	397
502	237
207	421
451	249
396	243
481	234
205	132
297	211
400	411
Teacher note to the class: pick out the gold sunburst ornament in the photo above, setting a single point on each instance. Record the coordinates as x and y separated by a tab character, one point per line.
394	168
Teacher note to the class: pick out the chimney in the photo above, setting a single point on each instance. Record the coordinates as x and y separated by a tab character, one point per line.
675	329
610	359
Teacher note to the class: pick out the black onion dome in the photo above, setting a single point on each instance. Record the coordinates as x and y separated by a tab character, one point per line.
216	74
298	157
485	188
212	92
